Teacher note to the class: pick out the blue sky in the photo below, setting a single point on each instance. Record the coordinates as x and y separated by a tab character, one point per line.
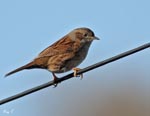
29	26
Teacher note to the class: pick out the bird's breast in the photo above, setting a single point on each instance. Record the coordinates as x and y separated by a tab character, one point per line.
65	62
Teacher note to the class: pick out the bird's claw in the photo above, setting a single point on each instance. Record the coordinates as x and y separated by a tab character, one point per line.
75	73
55	85
55	81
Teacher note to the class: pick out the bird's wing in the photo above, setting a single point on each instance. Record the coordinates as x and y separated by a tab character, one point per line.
62	46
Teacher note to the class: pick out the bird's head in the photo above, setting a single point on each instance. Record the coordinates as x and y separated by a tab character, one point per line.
83	34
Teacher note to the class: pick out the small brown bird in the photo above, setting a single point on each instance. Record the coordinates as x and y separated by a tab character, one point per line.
63	55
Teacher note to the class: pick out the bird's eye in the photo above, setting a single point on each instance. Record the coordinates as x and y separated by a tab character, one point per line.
85	35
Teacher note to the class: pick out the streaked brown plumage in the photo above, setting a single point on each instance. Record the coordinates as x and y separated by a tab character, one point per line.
63	55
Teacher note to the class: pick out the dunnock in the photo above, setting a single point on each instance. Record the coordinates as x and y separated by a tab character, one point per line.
63	55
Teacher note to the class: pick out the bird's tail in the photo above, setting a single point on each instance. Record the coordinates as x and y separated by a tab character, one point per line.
27	66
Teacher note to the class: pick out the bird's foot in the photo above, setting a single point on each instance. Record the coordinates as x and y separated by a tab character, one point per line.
55	80
75	70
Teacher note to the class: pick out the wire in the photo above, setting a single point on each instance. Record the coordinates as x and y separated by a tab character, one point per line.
109	60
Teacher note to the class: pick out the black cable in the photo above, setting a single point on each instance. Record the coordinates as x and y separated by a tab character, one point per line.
24	93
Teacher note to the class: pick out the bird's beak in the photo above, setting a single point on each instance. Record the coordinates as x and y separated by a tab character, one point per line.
95	38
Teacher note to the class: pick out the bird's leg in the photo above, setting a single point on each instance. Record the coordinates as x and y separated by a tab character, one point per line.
75	70
55	80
